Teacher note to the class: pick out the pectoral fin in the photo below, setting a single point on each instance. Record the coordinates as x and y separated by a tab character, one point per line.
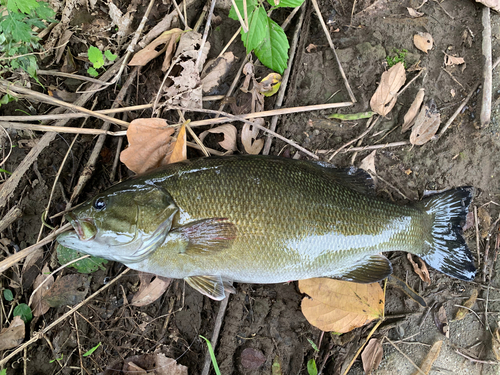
211	286
369	270
206	236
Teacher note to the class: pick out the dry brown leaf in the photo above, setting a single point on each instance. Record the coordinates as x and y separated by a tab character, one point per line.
463	311
426	124
68	290
421	270
123	22
40	307
423	41
151	51
13	335
179	149
372	355
340	306
413	13
441	320
368	164
493	4
484	222
252	359
249	139
385	96
430	358
151	288
31	268
149	142
453	60
151	364
413	111
230	134
215	72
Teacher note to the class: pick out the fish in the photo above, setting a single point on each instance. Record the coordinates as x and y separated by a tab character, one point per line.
262	219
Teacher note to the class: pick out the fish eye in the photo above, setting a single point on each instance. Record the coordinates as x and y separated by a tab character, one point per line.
100	204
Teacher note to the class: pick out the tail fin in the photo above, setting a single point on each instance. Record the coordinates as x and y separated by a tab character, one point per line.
446	248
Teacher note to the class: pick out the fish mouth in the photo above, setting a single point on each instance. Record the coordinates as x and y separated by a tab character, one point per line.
84	228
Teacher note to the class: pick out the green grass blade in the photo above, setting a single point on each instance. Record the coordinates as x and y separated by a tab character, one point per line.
212	355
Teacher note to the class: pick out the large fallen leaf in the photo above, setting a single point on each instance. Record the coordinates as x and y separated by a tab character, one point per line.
252	359
426	124
493	4
423	41
13	335
165	43
149	143
441	320
340	306
123	22
413	111
463	311
179	149
413	13
230	133
151	288
431	357
421	270
215	72
385	96
40	307
270	84
372	355
87	265
249	139
151	364
453	60
68	290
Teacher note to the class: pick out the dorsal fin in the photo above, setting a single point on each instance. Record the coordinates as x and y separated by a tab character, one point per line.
354	178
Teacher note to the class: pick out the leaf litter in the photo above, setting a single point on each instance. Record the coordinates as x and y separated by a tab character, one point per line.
420	269
40	306
13	335
409	118
372	355
426	124
151	288
384	98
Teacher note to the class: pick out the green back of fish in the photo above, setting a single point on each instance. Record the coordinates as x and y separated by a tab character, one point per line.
294	220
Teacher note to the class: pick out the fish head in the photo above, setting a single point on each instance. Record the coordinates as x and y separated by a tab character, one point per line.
125	223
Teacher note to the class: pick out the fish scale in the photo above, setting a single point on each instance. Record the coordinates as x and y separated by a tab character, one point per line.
268	220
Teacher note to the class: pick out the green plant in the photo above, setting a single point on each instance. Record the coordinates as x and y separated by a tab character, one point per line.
396	57
311	364
96	57
212	355
3	372
18	41
57	359
265	37
7	294
24	311
92	350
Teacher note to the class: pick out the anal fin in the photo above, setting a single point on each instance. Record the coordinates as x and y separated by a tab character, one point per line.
370	270
211	286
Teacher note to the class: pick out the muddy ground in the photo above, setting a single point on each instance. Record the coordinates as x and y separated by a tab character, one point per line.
268	317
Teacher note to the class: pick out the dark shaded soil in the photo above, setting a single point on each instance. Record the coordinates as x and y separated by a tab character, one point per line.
268	318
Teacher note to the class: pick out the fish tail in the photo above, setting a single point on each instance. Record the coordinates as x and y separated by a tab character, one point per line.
445	248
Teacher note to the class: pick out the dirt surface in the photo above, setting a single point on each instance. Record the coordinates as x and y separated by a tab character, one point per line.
268	318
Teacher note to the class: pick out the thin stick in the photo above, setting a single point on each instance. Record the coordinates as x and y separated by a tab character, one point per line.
179	12
395	188
215	334
17	257
485	257
444	10
404	355
11	216
197	140
487	69
453	78
240	18
475	359
327	34
205	33
456	113
286	76
477	236
39	335
9	88
10	147
230	41
78	343
74	115
355	139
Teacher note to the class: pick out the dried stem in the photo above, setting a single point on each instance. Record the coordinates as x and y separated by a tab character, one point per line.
355	139
205	33
487	69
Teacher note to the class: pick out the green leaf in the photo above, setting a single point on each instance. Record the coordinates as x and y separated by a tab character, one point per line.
87	265
109	55
92	72
7	294
311	367
57	359
24	6
89	352
24	311
5	171
3	371
314	346
286	3
251	5
212	355
95	57
258	29
45	12
273	50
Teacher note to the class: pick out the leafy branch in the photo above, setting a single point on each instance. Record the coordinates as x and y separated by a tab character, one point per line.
265	37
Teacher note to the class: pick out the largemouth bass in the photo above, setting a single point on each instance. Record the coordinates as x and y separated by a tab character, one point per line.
257	219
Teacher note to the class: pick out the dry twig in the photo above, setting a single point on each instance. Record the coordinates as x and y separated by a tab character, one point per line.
487	69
